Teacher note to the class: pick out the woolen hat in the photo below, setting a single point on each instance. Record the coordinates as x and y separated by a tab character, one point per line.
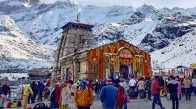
83	83
108	81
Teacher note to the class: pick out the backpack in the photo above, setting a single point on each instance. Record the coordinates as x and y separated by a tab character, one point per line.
29	108
40	106
14	105
9	104
19	104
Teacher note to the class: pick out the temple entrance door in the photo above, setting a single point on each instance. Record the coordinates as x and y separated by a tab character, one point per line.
124	70
111	75
68	74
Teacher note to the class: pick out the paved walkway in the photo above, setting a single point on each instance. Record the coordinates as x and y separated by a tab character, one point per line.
145	104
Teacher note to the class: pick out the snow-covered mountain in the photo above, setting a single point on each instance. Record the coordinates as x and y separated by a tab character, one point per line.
17	51
151	29
181	51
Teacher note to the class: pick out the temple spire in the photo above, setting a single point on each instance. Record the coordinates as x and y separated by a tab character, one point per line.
78	17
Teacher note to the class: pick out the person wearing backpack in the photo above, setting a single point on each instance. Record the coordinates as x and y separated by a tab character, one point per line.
83	96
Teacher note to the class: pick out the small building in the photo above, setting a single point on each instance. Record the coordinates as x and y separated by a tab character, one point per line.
40	74
78	57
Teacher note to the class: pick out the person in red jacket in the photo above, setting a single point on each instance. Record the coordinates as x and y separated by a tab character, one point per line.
57	91
155	90
48	83
6	89
121	95
90	85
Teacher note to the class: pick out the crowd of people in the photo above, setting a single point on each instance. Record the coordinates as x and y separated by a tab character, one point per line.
113	93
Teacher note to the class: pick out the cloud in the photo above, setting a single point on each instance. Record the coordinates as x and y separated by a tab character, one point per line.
136	3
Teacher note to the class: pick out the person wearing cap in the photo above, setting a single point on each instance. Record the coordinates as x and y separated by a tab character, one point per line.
65	96
83	96
155	90
109	95
173	86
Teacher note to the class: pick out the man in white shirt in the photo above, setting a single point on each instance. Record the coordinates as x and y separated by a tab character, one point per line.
132	84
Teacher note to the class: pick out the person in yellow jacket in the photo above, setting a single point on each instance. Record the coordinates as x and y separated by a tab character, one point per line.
26	93
83	96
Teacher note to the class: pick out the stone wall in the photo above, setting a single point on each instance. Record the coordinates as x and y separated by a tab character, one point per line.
73	40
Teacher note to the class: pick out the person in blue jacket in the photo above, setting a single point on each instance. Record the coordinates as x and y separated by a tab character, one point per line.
40	89
109	95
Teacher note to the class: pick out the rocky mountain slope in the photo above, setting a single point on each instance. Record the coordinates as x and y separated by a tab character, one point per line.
181	51
17	51
151	29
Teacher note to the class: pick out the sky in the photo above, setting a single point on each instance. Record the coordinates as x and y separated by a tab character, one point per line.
137	3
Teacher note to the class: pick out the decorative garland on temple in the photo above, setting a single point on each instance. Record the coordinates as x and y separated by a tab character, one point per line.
94	60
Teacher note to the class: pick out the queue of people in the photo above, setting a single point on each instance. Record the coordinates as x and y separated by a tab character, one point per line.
113	93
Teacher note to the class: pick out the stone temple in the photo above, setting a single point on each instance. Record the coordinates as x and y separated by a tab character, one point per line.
78	57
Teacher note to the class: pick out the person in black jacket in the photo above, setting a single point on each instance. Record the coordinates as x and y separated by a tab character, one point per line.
34	88
1	90
148	88
6	89
172	86
54	104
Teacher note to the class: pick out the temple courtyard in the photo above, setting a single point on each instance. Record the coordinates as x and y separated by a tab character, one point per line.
144	104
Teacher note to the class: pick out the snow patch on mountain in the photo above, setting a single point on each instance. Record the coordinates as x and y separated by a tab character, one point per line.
182	51
136	33
17	51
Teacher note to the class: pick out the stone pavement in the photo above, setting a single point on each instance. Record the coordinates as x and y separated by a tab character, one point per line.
145	104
